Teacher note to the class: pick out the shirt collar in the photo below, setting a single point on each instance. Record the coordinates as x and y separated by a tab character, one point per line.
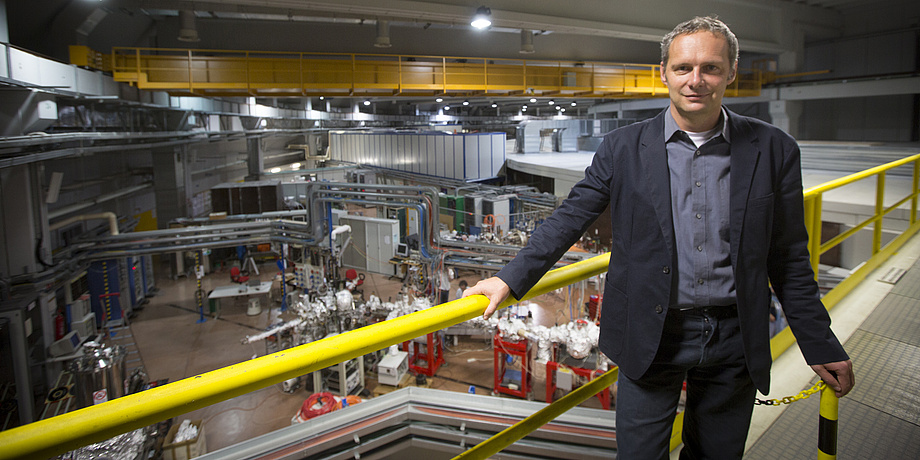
670	126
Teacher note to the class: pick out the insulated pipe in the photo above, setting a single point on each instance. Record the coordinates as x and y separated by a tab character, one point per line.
112	218
100	199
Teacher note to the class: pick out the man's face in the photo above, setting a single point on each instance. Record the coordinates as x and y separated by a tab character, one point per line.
696	74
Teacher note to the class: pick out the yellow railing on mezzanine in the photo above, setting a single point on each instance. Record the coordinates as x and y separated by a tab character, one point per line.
85	426
278	74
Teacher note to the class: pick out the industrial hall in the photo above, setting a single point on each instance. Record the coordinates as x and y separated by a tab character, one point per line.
400	229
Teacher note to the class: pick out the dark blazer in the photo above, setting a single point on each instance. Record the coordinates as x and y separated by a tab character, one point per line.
768	244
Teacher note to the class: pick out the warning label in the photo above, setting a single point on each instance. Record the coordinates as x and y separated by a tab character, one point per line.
100	396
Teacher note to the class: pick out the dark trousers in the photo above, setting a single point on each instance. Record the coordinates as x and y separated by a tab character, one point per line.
704	347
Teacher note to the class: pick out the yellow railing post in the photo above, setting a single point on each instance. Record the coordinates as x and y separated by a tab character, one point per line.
915	190
827	425
813	206
879	212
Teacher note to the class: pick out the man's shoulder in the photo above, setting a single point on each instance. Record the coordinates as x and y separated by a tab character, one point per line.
636	130
757	128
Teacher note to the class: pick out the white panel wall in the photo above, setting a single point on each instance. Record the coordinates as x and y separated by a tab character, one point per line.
458	156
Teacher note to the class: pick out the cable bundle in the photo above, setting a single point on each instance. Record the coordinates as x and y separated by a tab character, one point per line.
326	401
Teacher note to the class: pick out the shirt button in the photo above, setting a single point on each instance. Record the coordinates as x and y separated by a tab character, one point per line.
698	153
699	248
658	309
699	216
699	184
700	281
665	270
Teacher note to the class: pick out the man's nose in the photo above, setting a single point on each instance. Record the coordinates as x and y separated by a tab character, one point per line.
696	77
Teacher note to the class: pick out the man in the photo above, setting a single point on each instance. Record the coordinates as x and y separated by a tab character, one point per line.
463	286
706	209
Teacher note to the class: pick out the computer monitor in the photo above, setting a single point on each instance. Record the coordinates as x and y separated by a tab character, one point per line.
402	250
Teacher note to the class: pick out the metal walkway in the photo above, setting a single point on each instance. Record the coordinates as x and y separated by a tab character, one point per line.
880	418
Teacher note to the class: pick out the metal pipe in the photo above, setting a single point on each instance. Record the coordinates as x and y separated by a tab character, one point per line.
50	437
110	216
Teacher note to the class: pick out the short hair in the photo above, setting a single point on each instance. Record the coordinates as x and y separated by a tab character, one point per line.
463	283
700	24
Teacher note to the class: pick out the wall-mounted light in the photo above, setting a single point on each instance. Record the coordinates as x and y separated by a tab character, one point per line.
187	30
482	18
526	41
383	34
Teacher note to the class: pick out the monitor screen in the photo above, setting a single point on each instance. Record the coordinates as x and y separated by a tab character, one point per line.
402	250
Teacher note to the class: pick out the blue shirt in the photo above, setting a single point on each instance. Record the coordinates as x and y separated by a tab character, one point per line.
700	197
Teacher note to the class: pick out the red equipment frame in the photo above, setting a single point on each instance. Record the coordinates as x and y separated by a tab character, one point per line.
432	366
590	374
520	349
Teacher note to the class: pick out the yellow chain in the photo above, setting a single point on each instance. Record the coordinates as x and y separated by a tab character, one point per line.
804	394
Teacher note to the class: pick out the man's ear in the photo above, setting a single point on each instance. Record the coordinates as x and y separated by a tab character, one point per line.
664	78
734	73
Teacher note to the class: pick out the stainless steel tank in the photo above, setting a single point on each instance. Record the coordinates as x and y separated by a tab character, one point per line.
99	375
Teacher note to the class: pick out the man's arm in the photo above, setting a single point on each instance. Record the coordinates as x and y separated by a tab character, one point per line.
793	281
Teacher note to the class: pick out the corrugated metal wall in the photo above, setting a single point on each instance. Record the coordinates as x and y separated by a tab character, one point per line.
455	156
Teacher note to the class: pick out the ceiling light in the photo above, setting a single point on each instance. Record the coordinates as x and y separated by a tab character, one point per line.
367	102
551	102
295	166
481	18
466	102
440	99
446	107
524	107
562	109
275	170
322	97
533	100
573	103
559	107
494	105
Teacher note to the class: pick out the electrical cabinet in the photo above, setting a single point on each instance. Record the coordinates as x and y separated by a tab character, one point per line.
373	244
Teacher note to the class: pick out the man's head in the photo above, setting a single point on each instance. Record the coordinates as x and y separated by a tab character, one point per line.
699	59
463	284
701	24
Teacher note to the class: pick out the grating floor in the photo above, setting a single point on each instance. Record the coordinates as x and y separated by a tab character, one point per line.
880	418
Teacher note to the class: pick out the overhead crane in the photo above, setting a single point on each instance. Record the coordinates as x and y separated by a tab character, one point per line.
224	73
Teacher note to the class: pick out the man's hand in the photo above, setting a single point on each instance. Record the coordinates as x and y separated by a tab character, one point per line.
494	289
837	375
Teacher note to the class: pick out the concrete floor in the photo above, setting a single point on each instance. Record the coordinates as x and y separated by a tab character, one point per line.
174	346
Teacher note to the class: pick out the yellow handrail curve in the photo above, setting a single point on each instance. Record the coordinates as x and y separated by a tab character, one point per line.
54	436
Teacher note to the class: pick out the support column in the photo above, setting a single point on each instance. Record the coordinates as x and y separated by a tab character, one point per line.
22	221
255	161
785	116
170	182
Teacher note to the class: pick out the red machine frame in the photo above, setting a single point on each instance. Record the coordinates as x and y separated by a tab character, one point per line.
434	343
520	349
590	374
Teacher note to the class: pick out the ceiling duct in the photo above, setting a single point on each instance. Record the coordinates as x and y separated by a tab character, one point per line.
187	30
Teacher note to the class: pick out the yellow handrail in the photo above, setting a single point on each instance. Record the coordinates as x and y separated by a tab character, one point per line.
65	432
